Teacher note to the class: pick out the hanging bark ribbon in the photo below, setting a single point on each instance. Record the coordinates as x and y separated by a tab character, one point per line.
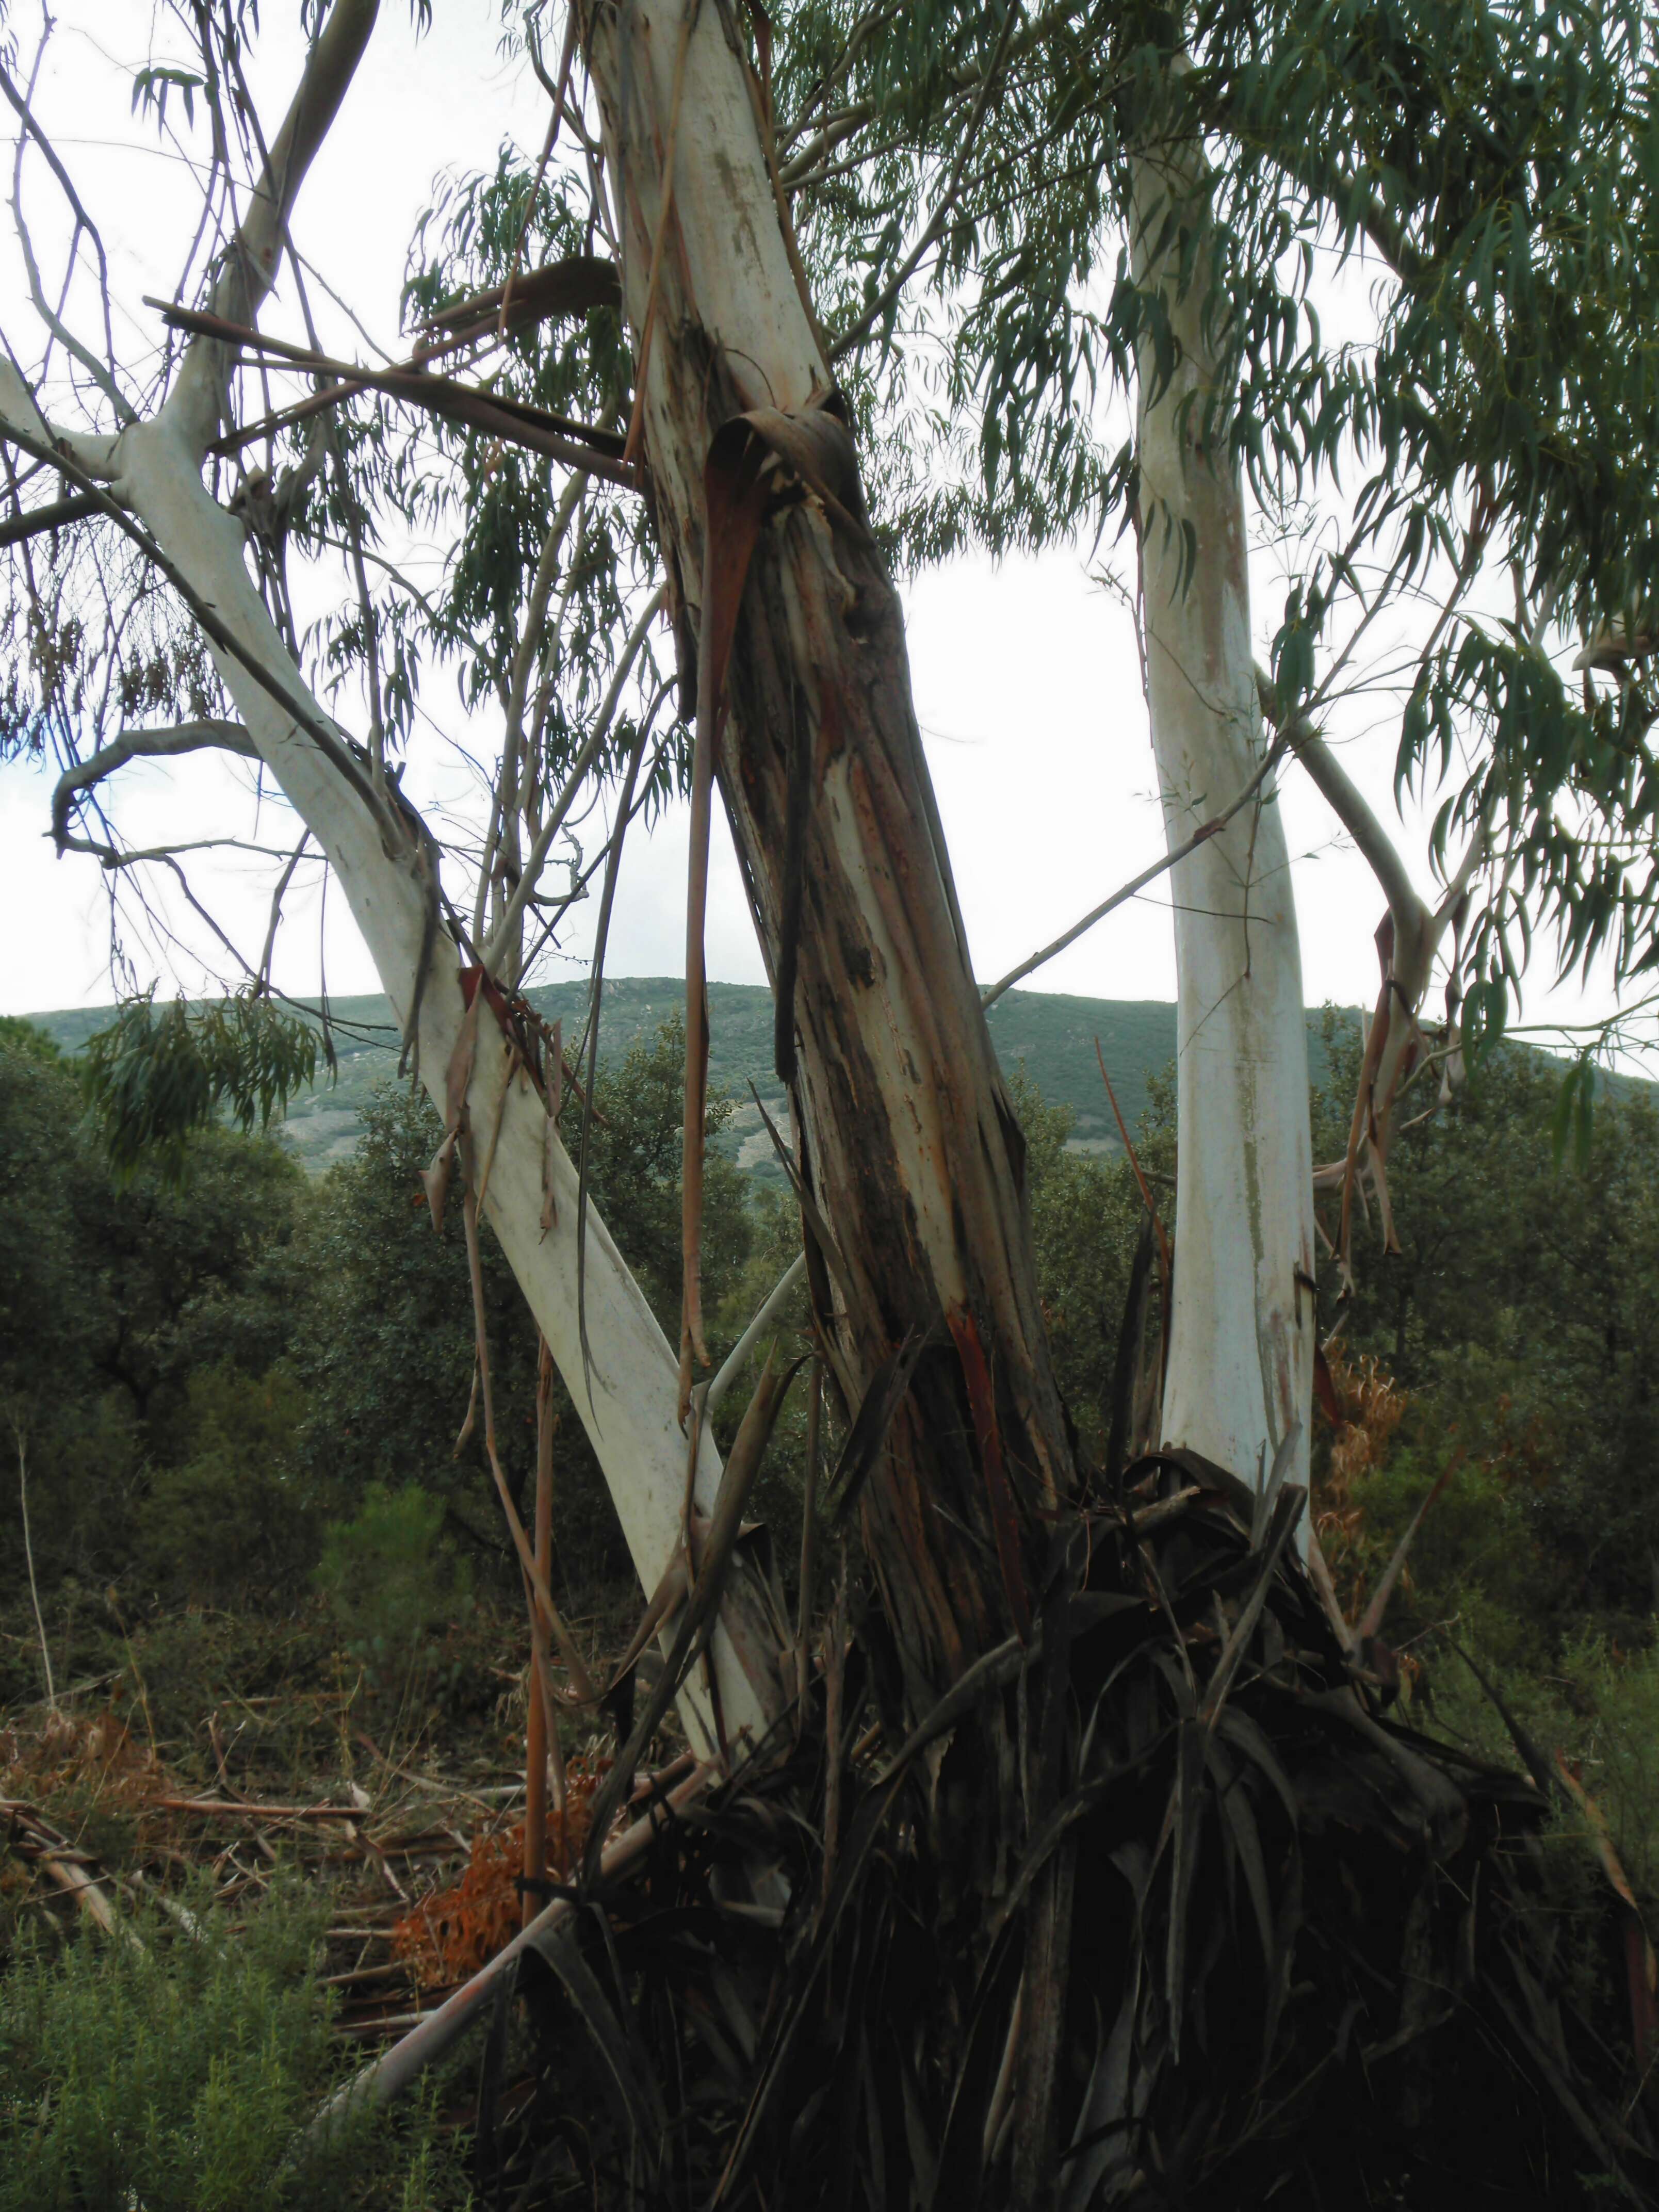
759	464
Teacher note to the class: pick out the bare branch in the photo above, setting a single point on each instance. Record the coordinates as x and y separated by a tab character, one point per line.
141	744
1205	831
568	287
578	445
35	522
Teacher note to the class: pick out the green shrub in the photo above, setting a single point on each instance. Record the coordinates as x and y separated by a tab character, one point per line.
175	2072
390	1581
235	1514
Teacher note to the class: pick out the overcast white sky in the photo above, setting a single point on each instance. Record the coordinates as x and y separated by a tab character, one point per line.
1026	682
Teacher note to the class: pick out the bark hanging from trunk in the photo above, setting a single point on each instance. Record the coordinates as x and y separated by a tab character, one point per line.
1240	1369
906	1139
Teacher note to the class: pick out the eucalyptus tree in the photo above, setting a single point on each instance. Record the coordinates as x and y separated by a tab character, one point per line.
224	641
1156	206
678	332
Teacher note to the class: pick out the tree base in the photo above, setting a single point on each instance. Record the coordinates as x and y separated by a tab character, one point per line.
1162	1908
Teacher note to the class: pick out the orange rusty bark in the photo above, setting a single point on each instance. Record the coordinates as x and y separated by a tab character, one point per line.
905	1136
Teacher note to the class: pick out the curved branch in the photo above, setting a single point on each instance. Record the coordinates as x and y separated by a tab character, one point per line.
1351	809
141	744
198	399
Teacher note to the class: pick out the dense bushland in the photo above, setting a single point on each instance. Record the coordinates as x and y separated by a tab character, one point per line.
234	1397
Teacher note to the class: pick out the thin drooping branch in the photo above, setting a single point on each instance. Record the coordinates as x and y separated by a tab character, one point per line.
102	372
143	744
501	937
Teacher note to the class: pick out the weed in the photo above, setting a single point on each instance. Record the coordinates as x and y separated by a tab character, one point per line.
176	2070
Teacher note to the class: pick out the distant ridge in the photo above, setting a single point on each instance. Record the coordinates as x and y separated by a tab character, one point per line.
1051	1035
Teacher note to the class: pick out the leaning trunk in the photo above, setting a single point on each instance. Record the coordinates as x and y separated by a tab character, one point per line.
905	1142
1238	1380
625	1394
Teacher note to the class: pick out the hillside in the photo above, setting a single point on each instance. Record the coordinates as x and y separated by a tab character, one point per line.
1053	1036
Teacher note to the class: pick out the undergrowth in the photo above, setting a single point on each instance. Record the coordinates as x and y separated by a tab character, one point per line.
173	2068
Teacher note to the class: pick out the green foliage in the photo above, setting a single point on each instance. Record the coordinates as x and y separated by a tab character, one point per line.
390	1581
114	1294
1085	1220
1520	1315
384	1347
19	1036
1495	166
176	2073
1573	1123
493	502
153	1080
235	1514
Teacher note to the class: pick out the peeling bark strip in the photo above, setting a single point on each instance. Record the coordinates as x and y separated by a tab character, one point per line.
1240	1368
909	1145
759	464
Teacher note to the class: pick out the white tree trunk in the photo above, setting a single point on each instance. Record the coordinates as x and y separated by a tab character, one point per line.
628	1398
1240	1367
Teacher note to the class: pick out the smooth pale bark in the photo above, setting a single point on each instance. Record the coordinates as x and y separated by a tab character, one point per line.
1240	1366
909	1143
627	1397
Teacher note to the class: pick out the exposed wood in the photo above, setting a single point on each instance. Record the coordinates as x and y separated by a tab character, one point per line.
910	1146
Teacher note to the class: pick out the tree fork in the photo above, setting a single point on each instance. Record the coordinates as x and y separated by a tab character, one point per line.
908	1141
